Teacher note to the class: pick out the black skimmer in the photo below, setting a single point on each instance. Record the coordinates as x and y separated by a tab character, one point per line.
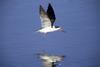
50	60
47	20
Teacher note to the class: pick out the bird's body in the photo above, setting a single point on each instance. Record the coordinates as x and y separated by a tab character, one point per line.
48	29
47	20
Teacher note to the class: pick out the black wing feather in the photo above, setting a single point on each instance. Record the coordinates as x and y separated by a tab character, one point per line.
51	14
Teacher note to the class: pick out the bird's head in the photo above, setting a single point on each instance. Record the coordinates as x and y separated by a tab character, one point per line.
59	28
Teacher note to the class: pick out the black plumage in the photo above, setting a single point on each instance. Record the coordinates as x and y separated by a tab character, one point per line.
51	14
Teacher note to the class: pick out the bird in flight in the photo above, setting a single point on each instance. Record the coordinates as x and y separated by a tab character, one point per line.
50	60
47	20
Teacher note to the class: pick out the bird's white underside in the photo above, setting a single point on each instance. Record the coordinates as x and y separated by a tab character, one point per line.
48	29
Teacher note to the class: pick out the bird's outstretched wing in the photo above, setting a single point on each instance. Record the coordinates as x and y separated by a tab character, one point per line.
51	14
45	21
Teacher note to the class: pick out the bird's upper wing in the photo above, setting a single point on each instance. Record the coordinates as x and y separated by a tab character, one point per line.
51	14
45	21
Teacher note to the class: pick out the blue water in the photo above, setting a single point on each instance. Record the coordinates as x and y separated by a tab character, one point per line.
19	43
